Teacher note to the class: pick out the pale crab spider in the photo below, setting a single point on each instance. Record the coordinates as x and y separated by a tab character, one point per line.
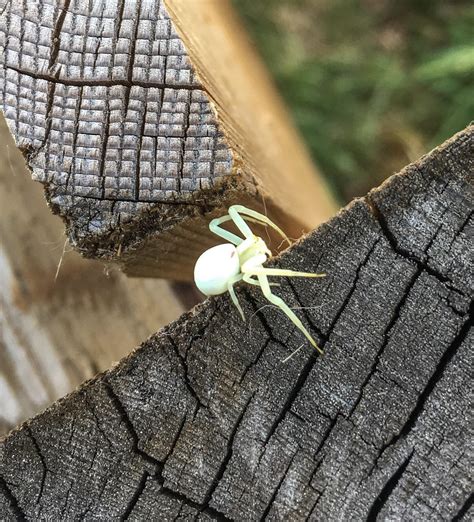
218	269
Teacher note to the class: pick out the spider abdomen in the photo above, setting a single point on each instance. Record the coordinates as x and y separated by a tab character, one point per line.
215	268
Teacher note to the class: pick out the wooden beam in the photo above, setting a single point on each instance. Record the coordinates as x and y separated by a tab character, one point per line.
62	318
205	421
145	119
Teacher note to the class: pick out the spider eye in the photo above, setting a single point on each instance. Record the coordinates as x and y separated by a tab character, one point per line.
215	267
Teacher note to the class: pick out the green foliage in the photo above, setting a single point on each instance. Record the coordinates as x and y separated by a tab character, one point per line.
372	84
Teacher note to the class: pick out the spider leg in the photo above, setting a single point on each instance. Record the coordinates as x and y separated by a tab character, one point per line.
215	228
230	288
251	281
278	301
234	215
240	222
257	217
282	272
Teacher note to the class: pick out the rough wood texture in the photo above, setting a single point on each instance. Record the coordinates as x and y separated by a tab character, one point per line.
57	332
205	421
137	153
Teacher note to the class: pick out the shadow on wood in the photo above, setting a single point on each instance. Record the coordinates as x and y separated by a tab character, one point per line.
204	420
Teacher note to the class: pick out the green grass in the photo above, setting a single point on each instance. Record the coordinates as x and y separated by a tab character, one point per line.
372	84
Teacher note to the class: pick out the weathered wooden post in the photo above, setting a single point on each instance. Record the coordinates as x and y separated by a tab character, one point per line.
205	421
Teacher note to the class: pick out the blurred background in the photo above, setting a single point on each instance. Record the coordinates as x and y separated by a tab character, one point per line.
372	84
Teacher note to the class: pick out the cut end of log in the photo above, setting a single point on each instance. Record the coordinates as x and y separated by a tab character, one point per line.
145	119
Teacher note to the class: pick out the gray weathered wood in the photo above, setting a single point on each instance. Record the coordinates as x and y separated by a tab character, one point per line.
102	98
205	421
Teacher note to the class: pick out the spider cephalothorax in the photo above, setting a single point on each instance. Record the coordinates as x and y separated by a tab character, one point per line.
218	269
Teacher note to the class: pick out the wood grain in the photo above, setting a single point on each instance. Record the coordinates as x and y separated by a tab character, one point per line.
132	147
204	420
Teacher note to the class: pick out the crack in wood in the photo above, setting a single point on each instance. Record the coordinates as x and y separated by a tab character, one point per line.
271	502
386	337
304	374
258	313
316	502
388	489
56	35
255	360
43	463
14	505
117	403
48	119
158	466
323	338
96	418
136	496
186	124
397	249
139	151
132	200
230	449
185	375
118	22
214	514
464	509
351	290
436	376
300	382
131	60
202	328
324	438
176	438
104	143
70	82
7	4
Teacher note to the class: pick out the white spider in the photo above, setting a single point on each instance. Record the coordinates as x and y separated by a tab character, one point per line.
219	268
